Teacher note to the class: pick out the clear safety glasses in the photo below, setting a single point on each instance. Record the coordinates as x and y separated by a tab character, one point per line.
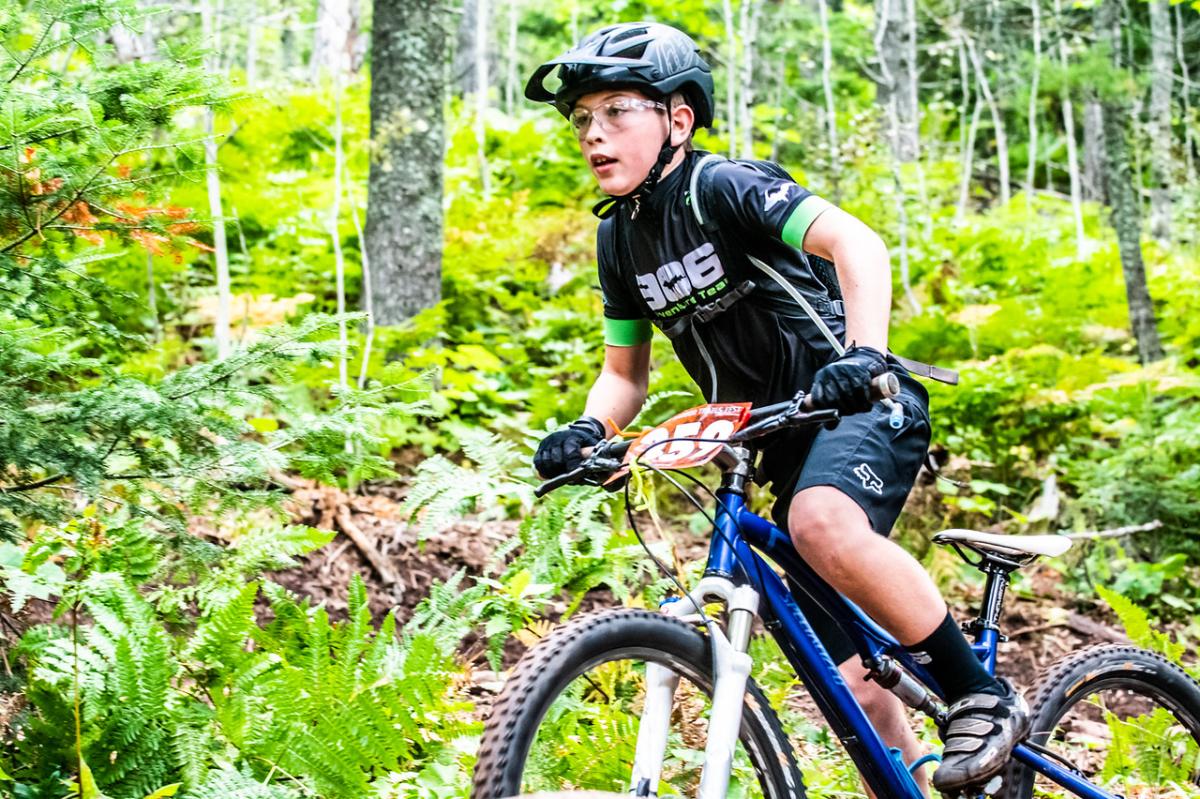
613	116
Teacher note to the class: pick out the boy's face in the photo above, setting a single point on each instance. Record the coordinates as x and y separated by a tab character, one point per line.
621	135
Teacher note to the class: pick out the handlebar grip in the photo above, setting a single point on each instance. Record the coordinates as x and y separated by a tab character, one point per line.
557	482
884	387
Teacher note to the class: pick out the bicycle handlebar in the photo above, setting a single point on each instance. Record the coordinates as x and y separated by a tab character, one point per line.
605	458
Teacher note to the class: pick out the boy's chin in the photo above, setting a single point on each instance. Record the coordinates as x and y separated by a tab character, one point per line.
616	187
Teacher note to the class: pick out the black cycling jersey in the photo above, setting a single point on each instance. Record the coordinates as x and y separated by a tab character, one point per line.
662	266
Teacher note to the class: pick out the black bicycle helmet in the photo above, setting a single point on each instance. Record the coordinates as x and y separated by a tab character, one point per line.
638	55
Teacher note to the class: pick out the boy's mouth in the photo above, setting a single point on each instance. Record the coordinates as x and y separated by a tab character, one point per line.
599	160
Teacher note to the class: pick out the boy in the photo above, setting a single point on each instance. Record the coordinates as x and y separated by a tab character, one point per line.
634	94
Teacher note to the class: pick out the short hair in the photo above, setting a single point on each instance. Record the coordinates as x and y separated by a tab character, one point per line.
675	100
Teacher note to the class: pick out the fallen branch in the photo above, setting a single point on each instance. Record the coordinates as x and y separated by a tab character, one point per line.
1116	532
378	562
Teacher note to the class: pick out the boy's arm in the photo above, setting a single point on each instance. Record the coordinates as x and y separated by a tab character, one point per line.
863	270
620	389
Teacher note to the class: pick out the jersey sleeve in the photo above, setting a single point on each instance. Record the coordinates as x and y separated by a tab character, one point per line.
764	204
625	322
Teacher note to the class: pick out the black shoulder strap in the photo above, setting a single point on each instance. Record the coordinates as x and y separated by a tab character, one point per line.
700	190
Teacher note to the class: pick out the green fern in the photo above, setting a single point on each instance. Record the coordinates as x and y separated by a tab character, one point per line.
1137	626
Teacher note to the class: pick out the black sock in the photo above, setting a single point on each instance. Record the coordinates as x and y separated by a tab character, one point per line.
949	658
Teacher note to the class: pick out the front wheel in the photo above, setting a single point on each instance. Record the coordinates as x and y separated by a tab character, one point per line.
1126	718
568	716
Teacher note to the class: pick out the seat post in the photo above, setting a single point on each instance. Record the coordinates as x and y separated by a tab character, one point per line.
993	595
986	627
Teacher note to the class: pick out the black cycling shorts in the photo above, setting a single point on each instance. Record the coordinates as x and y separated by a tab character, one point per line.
864	458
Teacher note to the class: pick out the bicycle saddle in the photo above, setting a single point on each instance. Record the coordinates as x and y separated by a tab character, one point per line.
1021	546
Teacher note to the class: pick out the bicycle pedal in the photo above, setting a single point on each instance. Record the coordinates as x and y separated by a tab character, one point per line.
989	788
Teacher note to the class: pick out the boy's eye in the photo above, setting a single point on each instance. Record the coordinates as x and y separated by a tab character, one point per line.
614	110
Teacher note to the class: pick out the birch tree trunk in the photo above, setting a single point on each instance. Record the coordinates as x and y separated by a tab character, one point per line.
1093	152
1068	115
895	47
985	89
252	34
1031	170
1162	75
835	161
966	131
1185	90
483	20
968	159
221	332
1126	207
512	59
404	206
750	11
331	39
335	236
731	62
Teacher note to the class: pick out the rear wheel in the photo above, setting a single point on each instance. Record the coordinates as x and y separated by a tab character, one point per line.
568	716
1127	719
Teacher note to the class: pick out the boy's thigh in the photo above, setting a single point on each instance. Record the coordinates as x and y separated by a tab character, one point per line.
866	459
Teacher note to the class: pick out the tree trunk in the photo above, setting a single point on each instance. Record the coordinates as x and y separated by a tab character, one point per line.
483	19
1185	91
1093	152
368	295
750	11
404	207
835	161
1126	207
1068	114
968	159
902	221
1162	75
331	39
252	34
985	89
1031	169
463	55
512	59
895	47
731	61
335	234
221	333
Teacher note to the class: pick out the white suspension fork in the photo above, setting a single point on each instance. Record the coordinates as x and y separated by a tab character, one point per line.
731	671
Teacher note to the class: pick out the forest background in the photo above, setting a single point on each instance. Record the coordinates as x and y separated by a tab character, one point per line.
233	509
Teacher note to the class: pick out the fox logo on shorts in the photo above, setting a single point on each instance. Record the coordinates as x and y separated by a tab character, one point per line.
870	480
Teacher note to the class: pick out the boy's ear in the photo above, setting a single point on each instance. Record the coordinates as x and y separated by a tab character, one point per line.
683	118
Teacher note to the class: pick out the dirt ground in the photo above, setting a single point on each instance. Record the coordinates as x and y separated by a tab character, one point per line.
1041	626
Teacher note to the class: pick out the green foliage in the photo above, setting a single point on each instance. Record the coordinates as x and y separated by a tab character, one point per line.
1138	626
226	698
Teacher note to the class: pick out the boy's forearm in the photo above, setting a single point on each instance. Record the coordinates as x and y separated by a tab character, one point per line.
615	398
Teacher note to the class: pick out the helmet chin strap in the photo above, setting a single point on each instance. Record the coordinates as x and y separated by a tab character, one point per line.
606	207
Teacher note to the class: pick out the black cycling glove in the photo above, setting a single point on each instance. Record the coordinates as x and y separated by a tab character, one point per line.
845	384
560	452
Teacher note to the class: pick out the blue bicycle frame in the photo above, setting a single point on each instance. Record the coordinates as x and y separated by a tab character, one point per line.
731	556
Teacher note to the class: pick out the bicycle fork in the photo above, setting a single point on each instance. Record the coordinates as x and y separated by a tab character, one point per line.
731	670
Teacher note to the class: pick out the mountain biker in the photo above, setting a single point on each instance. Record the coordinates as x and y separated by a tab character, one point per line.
635	93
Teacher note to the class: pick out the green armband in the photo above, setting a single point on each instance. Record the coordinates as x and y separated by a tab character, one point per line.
626	332
802	218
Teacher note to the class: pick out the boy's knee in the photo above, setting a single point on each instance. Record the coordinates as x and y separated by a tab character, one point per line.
823	519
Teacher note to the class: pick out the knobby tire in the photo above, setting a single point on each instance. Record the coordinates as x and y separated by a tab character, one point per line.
590	640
